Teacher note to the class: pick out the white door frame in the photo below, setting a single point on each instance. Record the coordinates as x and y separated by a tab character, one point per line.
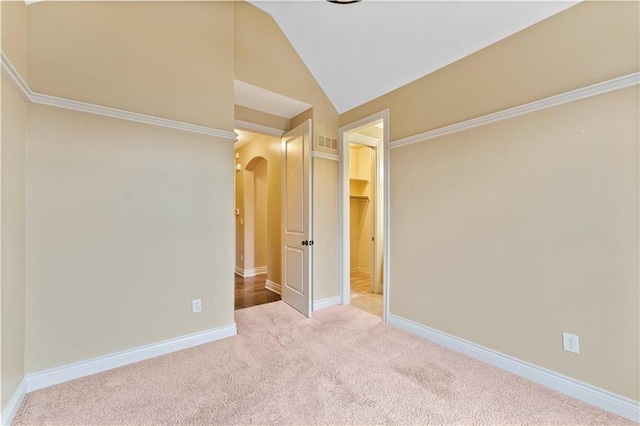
382	208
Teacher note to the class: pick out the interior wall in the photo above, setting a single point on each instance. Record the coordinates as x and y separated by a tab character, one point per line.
247	219
166	59
269	148
361	210
12	268
326	223
511	233
508	235
261	213
122	218
13	19
259	45
262	118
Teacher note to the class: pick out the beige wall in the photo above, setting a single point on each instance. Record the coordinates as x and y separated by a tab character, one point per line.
14	34
326	248
265	58
269	148
126	225
361	211
12	167
12	202
586	44
509	234
261	213
166	59
261	118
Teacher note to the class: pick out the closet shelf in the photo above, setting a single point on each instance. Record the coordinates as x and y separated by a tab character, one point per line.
359	197
360	180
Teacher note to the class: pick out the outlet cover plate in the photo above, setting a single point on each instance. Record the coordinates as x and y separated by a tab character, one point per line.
571	343
196	306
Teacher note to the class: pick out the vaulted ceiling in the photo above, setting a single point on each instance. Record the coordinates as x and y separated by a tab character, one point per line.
360	51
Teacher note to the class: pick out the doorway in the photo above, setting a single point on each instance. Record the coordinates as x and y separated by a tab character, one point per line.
257	211
363	216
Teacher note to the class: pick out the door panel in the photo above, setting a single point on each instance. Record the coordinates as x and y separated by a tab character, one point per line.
294	185
294	273
296	227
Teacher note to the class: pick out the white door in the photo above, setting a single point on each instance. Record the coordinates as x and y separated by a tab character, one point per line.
296	218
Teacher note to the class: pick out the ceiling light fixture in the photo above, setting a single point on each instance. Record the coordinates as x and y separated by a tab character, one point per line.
343	1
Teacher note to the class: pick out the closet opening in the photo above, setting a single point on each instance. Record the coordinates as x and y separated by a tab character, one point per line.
363	214
362	205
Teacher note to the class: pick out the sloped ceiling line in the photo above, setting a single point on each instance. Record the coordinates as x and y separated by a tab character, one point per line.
361	51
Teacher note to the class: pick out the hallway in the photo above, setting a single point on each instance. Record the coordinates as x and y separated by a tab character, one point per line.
251	291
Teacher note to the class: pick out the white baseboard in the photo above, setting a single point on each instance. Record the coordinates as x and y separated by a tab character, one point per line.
14	403
258	270
246	273
53	376
601	398
274	287
326	303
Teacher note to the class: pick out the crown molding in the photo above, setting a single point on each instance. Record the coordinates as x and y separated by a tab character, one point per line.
553	101
18	82
9	71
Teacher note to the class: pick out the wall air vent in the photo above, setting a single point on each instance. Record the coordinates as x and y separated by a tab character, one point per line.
326	144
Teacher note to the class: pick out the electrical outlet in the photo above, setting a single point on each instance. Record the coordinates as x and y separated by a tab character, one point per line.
196	306
571	343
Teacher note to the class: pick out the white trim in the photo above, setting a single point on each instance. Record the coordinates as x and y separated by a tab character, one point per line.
601	398
273	286
259	270
363	139
247	273
327	302
16	79
14	404
258	128
382	231
553	101
325	156
130	116
53	376
54	101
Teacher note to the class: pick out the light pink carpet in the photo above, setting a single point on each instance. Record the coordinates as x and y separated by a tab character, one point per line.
344	366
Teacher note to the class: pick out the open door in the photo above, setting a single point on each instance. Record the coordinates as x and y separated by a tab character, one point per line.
296	218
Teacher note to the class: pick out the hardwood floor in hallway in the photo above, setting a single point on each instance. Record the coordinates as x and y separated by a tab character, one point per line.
251	291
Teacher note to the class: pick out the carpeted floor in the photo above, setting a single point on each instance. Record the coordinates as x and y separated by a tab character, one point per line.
344	366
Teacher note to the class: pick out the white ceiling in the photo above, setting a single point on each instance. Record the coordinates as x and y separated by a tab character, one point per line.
360	51
244	137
